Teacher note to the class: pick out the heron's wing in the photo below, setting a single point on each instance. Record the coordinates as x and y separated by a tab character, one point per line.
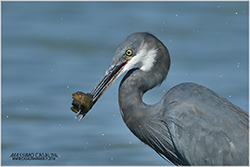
206	129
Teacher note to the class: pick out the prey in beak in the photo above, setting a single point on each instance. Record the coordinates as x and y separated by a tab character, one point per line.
82	102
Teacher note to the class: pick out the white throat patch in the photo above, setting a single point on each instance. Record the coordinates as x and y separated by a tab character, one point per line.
144	58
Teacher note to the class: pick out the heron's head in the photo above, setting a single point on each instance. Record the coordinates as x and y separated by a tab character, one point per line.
138	49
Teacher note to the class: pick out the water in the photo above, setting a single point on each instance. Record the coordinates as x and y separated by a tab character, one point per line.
53	49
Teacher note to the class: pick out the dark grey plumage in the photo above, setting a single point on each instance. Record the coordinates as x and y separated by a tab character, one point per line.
191	125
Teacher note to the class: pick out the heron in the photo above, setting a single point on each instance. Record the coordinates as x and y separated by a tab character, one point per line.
190	125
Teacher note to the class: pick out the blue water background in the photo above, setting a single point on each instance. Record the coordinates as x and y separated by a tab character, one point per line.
52	49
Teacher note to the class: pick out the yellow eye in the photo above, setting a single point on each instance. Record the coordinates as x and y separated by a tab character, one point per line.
129	52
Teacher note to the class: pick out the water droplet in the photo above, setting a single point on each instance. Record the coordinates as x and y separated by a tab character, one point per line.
68	86
27	109
7	116
130	142
238	65
61	126
236	12
111	159
176	15
220	75
61	18
230	96
163	22
218	6
102	133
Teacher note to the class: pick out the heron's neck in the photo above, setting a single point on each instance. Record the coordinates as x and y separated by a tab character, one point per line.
137	82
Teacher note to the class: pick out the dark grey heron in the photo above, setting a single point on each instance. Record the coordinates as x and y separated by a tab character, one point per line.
190	125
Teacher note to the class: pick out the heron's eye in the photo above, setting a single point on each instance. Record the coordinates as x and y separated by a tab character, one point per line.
129	52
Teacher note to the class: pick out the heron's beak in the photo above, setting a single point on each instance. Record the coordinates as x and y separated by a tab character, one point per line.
82	102
113	72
